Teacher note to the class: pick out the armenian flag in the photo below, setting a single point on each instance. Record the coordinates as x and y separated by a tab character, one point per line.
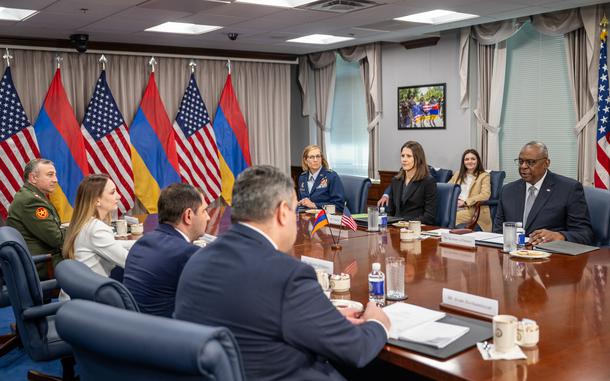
319	222
231	138
60	140
153	148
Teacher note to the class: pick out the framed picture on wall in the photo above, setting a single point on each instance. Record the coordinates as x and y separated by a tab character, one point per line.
422	107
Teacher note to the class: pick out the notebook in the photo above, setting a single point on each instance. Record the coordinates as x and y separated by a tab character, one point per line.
565	247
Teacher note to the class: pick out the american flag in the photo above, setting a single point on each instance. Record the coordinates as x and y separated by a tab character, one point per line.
196	143
17	142
602	164
107	142
348	220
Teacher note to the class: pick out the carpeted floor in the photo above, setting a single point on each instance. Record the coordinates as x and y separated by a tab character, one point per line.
14	365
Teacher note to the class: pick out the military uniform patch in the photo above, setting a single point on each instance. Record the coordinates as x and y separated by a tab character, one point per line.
42	213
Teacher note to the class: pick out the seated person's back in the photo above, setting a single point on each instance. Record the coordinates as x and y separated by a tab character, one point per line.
156	260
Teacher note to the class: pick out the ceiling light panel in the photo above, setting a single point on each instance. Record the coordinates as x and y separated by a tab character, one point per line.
437	16
182	28
320	39
16	14
278	3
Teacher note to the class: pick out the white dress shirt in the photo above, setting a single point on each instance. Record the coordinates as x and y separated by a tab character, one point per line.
537	186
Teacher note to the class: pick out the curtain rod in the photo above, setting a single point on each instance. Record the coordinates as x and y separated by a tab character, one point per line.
145	54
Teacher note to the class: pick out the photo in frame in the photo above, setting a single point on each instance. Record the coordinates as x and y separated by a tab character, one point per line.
422	107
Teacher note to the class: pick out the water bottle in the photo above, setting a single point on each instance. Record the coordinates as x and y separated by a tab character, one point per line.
520	236
377	285
383	219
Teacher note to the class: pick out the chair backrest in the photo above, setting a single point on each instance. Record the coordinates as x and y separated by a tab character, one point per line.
126	345
356	192
598	201
23	286
442	175
496	178
80	282
446	204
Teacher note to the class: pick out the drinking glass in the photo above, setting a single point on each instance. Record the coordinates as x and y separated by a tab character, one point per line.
395	278
509	230
373	219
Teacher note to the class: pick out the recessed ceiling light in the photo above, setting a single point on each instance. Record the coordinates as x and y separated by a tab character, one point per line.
277	3
182	28
323	39
16	14
437	16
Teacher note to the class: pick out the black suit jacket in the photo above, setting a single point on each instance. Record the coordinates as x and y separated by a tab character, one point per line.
285	326
560	206
421	200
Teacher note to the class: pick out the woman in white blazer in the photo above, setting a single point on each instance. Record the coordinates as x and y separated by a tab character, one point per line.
90	238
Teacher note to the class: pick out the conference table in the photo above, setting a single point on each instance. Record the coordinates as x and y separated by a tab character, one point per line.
566	296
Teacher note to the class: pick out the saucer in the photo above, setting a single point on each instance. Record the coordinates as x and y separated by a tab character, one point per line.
313	211
401	224
343	303
530	254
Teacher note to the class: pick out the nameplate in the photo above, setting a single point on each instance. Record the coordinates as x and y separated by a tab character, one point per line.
316	263
459	255
333	219
469	302
457	240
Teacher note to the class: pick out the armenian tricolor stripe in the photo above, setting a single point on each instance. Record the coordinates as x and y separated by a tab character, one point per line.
153	148
319	222
60	140
231	138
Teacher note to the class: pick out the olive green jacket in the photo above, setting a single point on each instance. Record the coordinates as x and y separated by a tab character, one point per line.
33	215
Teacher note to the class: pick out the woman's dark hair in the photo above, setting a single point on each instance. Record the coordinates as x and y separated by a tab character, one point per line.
419	157
463	171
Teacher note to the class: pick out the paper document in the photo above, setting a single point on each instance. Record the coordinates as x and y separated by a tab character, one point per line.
434	334
489	239
435	232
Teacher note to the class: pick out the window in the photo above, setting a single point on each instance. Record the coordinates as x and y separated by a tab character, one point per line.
538	102
348	148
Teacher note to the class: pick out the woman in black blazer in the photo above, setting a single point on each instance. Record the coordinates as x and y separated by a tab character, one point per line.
413	189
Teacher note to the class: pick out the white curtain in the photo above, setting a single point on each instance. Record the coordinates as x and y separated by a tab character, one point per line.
262	89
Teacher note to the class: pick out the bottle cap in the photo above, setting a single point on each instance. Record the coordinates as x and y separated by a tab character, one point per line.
518	224
376	266
381	209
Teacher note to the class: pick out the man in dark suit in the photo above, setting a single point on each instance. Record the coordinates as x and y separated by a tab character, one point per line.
552	207
285	326
156	260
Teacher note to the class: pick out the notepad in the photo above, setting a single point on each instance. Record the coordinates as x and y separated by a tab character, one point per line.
565	247
419	325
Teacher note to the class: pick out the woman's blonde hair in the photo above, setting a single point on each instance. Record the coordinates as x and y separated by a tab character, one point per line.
306	152
89	190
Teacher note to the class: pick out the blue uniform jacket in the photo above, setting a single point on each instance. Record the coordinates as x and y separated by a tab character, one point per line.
153	267
327	189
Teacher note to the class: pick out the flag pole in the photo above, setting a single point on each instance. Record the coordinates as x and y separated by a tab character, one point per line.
193	65
7	57
337	246
229	65
152	63
58	59
103	61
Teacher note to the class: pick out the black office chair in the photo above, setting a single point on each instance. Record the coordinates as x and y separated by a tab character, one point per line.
441	175
446	204
356	192
80	282
118	345
35	319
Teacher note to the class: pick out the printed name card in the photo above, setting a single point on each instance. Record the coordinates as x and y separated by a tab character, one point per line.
316	263
470	302
457	240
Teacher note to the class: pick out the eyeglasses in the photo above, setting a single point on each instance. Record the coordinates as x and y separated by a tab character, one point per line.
314	157
530	163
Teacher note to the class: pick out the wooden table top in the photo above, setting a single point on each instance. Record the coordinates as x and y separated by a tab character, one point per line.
566	295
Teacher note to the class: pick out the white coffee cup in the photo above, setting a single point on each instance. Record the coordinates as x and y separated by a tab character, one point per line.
505	332
528	333
121	228
407	235
323	279
329	208
137	229
416	227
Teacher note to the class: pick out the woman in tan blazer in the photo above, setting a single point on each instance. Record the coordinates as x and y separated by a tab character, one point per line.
476	186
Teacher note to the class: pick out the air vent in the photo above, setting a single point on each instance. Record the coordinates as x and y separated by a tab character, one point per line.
340	6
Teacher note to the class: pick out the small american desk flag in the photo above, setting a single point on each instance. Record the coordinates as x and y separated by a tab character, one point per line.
348	220
602	162
196	143
107	142
17	142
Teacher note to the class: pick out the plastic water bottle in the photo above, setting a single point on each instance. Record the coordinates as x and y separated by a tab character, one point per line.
383	219
377	285
520	236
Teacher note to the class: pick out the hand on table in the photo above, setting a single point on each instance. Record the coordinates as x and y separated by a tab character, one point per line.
353	315
383	201
373	311
307	203
544	235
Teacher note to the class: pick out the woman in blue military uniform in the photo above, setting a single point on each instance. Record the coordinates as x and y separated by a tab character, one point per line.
318	185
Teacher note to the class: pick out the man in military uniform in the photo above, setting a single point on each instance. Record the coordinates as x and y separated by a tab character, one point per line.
33	215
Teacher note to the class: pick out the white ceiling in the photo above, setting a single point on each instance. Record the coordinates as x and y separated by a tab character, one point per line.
260	28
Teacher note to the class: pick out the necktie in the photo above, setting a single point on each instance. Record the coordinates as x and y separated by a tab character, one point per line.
531	197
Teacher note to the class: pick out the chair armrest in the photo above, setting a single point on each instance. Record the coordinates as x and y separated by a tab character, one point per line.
489	202
42	311
475	216
42	258
48	285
